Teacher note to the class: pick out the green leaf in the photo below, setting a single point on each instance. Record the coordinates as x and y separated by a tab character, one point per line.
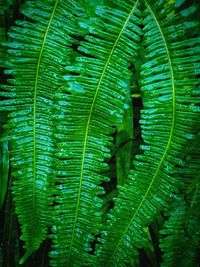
38	49
168	121
91	112
180	242
179	3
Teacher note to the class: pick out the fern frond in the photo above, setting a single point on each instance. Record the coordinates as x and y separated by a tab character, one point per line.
174	242
93	103
168	121
38	51
180	242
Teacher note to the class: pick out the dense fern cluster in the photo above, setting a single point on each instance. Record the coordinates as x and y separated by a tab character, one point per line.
100	132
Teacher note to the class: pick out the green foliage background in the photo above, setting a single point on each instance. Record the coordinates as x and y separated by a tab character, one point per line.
99	128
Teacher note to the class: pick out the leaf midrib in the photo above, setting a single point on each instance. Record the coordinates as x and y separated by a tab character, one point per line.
171	131
35	101
88	123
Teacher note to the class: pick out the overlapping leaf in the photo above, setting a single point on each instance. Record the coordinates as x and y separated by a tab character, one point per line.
93	102
38	51
180	240
61	131
168	120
